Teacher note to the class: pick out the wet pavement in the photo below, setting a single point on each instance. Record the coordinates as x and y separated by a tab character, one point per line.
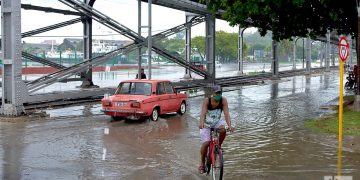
270	141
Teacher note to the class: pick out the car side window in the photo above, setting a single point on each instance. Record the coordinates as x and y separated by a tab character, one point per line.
160	89
169	88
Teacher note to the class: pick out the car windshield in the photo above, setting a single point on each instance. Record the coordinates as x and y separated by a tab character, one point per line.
135	88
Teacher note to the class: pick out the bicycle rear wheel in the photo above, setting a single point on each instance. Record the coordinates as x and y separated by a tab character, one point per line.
217	168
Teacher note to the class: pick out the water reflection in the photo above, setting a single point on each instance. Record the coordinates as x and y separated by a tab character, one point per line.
12	146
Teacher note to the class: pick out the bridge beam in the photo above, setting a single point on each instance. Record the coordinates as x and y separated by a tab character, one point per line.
210	46
14	91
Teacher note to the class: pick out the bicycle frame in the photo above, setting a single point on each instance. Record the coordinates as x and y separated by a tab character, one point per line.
214	142
214	155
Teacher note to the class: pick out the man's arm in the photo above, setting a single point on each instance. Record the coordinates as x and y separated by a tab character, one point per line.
226	113
203	113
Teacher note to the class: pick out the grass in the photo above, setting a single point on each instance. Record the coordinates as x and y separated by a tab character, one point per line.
351	123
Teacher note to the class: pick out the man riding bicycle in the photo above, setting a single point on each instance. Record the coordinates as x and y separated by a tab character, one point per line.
210	117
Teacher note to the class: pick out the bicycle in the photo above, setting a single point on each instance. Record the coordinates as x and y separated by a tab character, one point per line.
214	160
351	82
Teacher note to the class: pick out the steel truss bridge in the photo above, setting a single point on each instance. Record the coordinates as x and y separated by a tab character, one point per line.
16	93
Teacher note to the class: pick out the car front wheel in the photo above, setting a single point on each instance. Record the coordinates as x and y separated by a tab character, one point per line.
182	109
155	114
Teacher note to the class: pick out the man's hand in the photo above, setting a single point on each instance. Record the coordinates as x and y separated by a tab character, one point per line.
230	128
201	125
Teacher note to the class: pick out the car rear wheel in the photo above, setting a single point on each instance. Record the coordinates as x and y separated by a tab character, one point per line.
182	109
155	114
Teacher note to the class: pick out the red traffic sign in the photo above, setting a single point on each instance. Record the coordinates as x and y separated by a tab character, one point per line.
343	49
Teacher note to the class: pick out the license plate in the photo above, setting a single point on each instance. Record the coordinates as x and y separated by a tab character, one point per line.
121	103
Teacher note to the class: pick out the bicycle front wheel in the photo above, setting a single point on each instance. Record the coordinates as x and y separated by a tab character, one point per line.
217	167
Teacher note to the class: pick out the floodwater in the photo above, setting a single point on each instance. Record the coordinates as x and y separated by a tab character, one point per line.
270	141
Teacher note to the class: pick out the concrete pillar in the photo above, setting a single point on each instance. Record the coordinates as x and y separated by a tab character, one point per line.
14	90
275	59
210	46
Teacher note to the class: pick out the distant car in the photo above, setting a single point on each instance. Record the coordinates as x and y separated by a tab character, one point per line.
135	99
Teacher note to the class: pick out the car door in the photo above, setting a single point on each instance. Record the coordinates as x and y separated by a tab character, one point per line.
162	97
174	102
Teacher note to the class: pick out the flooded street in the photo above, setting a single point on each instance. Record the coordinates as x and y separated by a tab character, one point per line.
270	141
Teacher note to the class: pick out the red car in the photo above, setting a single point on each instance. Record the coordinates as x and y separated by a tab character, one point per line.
135	99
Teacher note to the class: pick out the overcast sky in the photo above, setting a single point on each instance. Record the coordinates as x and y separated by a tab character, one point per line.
123	11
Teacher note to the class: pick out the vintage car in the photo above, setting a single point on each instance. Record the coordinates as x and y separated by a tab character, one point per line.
135	99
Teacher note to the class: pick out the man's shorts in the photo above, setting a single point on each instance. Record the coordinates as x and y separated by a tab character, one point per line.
205	132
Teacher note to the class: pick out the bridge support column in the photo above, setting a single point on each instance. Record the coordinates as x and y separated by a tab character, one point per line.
188	17
350	40
322	54
275	59
14	90
139	33
294	56
333	55
241	50
210	46
327	52
308	56
87	28
149	38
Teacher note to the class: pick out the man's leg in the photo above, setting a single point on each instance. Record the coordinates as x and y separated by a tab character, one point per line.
222	134
203	152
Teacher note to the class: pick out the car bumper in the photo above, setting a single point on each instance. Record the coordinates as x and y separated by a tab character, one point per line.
121	112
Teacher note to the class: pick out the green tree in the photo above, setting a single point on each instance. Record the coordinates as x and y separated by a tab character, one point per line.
226	46
198	42
290	18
